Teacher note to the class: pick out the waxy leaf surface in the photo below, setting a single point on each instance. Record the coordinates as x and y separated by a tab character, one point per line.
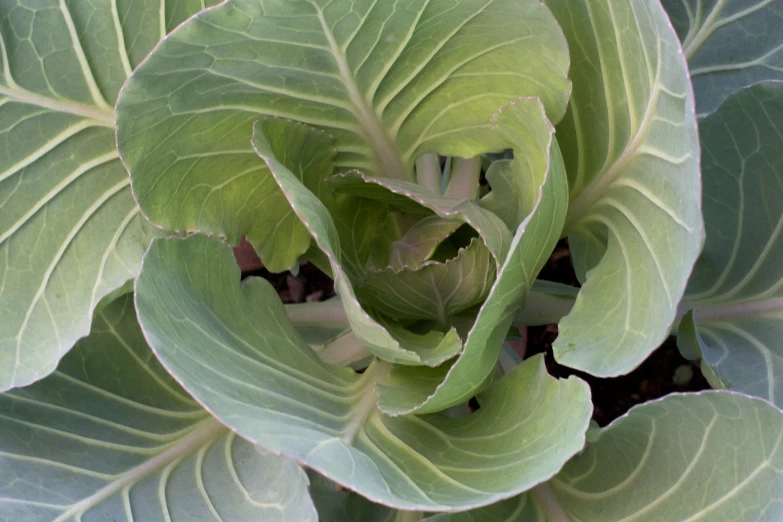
713	456
736	290
232	347
275	138
70	232
111	436
387	79
538	170
631	151
729	44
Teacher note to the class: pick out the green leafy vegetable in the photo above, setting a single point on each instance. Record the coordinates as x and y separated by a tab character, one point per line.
729	44
432	158
736	291
388	84
110	435
233	348
631	152
70	232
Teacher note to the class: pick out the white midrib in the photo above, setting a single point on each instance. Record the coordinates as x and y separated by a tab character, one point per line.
368	400
101	117
735	310
547	501
584	202
205	431
387	156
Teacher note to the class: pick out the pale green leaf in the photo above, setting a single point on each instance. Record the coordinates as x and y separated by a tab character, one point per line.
631	151
729	44
276	138
420	241
736	290
416	200
70	231
231	346
111	436
712	456
539	168
386	79
434	290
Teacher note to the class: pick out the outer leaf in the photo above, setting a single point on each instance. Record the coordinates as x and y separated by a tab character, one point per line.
434	290
70	232
736	290
729	44
386	79
538	165
713	456
294	142
233	348
111	436
632	155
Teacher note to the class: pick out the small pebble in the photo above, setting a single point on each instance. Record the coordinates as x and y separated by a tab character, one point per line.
683	375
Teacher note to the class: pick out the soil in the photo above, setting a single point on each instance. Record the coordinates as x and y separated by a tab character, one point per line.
664	372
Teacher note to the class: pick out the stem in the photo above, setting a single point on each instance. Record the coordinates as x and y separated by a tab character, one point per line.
428	172
329	314
343	351
546	500
543	308
464	181
367	404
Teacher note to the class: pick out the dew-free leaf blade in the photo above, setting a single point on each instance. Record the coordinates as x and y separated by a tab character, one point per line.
631	151
276	138
386	79
70	231
709	456
538	171
736	290
110	435
233	348
435	290
729	44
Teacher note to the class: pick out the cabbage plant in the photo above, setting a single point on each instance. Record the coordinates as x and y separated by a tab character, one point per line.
427	155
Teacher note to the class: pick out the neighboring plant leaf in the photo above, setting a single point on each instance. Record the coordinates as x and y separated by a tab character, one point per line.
111	436
70	231
388	81
285	139
233	348
631	151
736	290
729	44
714	456
434	290
525	128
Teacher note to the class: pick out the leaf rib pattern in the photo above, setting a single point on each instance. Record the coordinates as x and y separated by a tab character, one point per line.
111	435
385	79
736	290
729	44
69	232
634	184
